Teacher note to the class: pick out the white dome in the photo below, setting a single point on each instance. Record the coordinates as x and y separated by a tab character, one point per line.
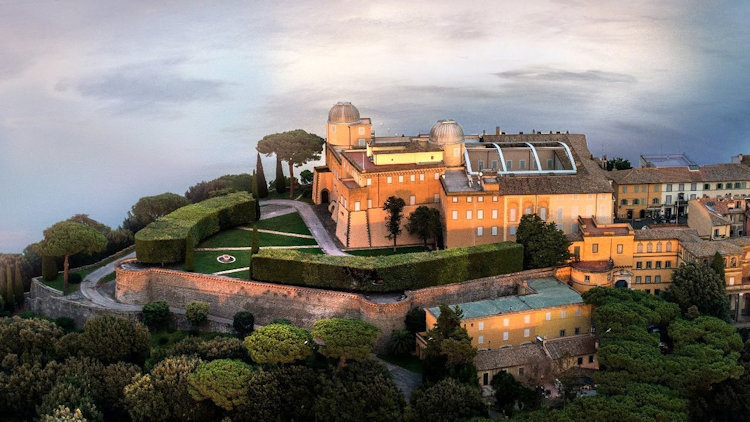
446	132
343	112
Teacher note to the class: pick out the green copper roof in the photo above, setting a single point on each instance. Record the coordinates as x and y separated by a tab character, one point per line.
549	293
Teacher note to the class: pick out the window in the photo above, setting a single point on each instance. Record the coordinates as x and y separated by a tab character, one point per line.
638	279
669	187
733	262
656	188
548	316
563	314
648	279
526	332
454	215
506	322
658	264
485	378
649	247
494	198
480	231
509	164
454	199
421	177
494	164
412	177
669	246
658	247
578	311
719	186
619	248
480	198
480	339
667	264
736	185
512	230
480	214
456	152
512	214
369	181
595	248
591	358
692	196
468	199
494	214
648	264
389	179
635	201
436	198
706	186
577	330
520	371
639	248
562	333
361	130
369	203
560	214
412	199
526	319
657	279
481	165
655	201
624	202
505	335
580	361
693	186
401	178
480	326
731	281
437	176
624	189
681	187
587	278
468	214
493	230
522	164
356	206
669	200
638	265
549	164
543	213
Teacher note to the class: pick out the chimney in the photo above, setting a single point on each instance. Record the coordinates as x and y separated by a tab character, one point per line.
497	130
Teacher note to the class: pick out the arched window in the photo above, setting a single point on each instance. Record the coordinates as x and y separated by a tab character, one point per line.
734	262
649	247
543	213
669	246
658	247
640	248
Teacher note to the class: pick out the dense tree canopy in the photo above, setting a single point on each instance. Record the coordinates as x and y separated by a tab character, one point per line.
447	401
149	208
543	244
696	284
279	343
345	338
618	163
394	208
223	381
296	147
426	223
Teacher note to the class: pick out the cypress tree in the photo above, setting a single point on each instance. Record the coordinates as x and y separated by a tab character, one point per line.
254	248
18	284
49	268
5	291
189	253
256	197
717	264
280	182
262	184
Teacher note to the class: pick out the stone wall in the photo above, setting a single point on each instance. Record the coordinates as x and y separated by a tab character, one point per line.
301	305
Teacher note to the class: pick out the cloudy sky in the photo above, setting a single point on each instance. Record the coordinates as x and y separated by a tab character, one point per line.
104	102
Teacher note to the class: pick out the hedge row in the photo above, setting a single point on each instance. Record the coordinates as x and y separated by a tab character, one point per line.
163	241
387	273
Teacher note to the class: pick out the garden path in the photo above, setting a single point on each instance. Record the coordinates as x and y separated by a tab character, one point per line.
313	223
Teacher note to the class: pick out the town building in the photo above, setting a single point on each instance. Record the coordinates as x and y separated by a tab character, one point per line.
665	191
615	255
741	159
718	218
481	184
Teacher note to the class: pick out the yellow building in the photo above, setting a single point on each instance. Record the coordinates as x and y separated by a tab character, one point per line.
482	184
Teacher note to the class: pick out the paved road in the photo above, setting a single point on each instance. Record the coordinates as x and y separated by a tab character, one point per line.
313	223
406	381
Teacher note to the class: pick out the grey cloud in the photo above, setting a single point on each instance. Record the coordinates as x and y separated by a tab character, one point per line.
553	75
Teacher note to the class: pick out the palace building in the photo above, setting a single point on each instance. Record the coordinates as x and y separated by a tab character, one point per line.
481	184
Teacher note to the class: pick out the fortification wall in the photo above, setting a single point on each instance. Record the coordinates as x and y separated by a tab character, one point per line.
301	305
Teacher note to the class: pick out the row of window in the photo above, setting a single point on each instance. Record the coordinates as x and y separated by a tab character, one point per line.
639	280
681	187
650	247
412	201
470	214
639	264
401	178
526	319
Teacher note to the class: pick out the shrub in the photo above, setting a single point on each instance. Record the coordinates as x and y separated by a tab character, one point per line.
49	268
156	314
216	348
111	339
415	320
223	381
447	400
401	343
74	278
31	340
388	273
278	343
196	313
72	395
67	324
164	240
243	323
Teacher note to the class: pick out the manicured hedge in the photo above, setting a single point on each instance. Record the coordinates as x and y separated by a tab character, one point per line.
163	241
387	273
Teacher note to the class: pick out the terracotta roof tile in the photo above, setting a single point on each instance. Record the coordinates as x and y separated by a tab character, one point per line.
712	173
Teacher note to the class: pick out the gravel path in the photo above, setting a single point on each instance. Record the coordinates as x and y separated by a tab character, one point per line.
313	223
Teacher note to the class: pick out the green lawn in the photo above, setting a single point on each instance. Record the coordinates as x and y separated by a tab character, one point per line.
243	238
289	223
410	363
386	251
72	288
107	278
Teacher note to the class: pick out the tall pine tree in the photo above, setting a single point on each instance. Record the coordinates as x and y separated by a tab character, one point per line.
262	184
17	284
5	291
280	182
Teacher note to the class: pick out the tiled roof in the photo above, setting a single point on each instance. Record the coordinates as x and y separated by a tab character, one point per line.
570	346
361	162
548	293
722	205
708	248
712	173
525	354
717	219
739	241
682	234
